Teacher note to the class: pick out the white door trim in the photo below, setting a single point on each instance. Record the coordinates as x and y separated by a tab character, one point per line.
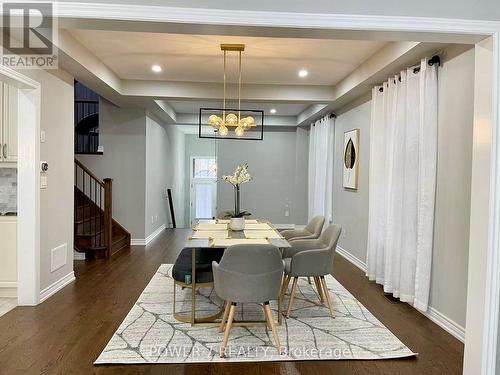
492	308
398	26
28	192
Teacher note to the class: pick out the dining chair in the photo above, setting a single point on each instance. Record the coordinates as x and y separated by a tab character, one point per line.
311	231
248	274
203	273
311	258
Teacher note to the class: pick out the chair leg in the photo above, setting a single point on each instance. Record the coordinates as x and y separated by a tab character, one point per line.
284	285
327	297
309	280
270	322
318	288
228	329
173	307
224	317
292	295
281	297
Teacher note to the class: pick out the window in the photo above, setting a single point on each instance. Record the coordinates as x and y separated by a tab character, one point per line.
86	120
204	168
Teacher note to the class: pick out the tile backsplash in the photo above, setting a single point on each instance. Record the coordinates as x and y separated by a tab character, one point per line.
8	189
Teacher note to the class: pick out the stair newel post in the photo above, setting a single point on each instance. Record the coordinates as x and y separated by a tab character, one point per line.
108	215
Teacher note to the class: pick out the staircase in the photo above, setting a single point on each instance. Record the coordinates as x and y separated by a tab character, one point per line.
96	233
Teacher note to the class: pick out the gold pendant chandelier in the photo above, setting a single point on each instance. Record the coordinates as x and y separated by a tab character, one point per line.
232	120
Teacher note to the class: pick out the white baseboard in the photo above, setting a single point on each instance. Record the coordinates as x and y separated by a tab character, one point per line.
78	256
450	326
137	242
148	239
57	286
8	289
453	328
351	258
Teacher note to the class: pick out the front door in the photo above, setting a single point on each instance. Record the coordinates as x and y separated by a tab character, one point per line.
203	197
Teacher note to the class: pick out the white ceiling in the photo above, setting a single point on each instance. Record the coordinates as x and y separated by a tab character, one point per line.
198	57
282	109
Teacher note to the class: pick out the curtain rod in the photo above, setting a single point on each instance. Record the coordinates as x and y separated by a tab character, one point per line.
433	60
330	115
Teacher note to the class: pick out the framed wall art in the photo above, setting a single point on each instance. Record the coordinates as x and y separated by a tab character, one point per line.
351	159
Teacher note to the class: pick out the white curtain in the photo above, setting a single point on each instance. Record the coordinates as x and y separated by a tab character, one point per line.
403	156
320	178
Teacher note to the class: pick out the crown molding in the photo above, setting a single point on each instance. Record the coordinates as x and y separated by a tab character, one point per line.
228	17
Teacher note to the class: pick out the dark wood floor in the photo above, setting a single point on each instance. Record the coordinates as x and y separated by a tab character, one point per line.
66	333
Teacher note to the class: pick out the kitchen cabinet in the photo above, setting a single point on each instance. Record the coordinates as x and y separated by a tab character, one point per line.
8	256
8	125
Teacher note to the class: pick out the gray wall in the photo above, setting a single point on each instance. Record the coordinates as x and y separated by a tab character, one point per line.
157	175
177	177
300	204
451	230
56	201
143	157
478	9
454	170
278	165
272	163
122	133
350	208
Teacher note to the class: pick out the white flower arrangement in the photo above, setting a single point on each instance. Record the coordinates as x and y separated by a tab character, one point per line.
240	176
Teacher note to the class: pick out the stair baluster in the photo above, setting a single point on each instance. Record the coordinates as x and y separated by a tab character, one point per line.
96	233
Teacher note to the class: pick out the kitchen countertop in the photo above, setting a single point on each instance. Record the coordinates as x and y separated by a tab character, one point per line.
8	218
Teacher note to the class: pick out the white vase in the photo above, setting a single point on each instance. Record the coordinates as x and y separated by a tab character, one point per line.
237	223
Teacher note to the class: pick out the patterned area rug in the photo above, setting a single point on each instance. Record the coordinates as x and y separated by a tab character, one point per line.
150	334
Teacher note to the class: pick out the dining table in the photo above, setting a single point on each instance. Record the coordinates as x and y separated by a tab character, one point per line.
216	234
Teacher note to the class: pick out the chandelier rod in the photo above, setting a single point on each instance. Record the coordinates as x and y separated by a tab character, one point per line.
239	92
224	106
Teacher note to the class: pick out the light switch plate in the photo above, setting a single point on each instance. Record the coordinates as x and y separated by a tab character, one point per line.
43	181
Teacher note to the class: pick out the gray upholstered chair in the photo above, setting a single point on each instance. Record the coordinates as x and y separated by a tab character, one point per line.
248	274
311	258
311	231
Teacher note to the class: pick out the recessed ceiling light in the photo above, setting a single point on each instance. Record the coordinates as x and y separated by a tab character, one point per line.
156	68
273	111
303	73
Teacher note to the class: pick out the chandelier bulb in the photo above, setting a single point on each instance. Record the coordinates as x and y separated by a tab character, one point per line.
239	131
250	121
223	130
231	119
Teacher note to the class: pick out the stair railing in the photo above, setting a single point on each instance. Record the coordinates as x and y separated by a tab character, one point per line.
97	217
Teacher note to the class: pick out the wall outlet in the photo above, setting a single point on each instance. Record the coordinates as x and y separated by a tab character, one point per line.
58	257
152	219
42	136
287	213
